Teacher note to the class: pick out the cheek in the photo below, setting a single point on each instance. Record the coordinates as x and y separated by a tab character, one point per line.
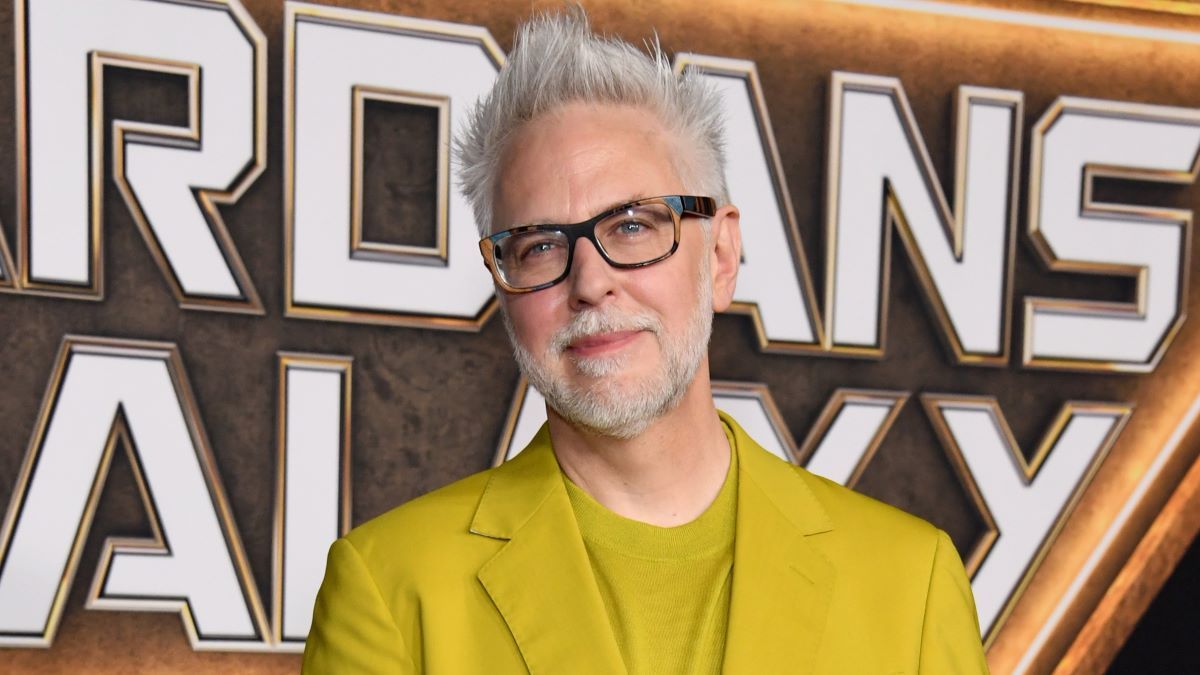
668	290
532	318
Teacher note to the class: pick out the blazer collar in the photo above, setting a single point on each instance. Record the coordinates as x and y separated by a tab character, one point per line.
542	583
782	584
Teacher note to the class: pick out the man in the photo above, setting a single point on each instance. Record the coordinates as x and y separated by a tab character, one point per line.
641	531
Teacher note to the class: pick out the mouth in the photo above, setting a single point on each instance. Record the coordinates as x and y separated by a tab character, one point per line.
601	343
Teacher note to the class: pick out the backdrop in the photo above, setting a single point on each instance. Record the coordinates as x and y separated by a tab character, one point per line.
243	308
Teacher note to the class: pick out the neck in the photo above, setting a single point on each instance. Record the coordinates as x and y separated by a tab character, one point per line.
666	476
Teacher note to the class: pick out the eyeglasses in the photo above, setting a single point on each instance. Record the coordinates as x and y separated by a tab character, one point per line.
532	257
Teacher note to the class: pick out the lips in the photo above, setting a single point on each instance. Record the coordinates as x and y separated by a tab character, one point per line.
600	343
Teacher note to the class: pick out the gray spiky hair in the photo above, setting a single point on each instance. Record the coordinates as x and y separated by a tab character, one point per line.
556	60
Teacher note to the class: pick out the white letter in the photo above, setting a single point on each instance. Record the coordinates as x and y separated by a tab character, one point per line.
1023	502
313	474
879	174
171	177
105	393
334	59
849	431
774	285
1074	142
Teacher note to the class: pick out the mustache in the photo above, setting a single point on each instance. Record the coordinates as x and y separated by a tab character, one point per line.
597	321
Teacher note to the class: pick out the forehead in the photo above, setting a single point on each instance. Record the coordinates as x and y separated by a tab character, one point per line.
570	164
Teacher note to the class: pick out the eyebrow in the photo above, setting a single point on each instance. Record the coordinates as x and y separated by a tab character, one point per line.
637	196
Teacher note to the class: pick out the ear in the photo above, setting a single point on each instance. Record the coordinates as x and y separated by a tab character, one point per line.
725	240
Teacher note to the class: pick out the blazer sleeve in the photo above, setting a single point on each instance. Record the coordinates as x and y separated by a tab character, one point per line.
950	641
352	629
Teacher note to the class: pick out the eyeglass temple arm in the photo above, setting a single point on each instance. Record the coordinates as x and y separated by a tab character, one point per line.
699	206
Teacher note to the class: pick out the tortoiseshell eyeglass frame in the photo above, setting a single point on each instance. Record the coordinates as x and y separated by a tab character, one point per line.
680	205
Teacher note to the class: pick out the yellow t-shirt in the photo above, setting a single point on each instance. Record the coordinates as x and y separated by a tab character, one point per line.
666	589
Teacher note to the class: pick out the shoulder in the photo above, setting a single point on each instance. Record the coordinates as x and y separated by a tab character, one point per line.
860	514
880	551
855	531
422	531
818	504
876	544
381	575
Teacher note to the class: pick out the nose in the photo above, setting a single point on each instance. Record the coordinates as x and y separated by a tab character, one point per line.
592	280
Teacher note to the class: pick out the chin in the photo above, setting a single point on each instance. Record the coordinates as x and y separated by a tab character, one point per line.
610	374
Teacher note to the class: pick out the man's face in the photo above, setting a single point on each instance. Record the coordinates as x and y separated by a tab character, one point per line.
611	349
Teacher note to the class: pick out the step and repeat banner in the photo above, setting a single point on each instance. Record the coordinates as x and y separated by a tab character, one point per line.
243	308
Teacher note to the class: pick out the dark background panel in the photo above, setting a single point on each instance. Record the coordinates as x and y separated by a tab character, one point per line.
1164	640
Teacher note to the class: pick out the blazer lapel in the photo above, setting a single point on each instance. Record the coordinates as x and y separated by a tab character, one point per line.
541	581
782	584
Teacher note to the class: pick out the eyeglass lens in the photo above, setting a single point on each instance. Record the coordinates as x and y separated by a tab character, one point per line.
636	235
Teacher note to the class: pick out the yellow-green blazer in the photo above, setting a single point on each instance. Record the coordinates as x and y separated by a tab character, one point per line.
489	575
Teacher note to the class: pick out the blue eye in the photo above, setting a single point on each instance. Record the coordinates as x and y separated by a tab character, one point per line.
538	248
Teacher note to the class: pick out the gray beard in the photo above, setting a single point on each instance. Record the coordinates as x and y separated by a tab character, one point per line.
609	408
